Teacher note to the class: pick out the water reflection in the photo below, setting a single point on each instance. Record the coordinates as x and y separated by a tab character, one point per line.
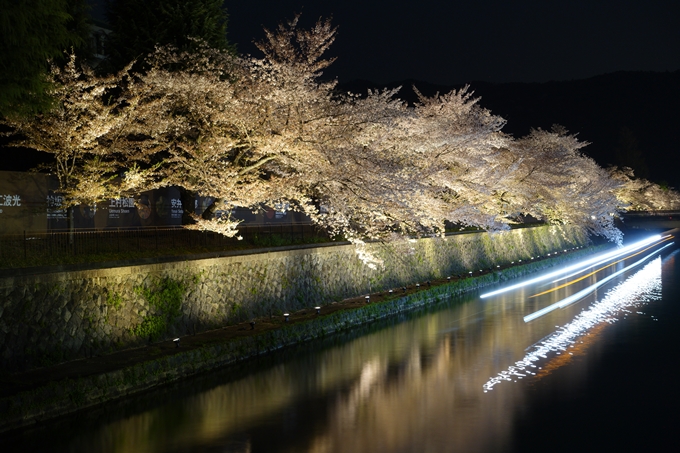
415	385
640	288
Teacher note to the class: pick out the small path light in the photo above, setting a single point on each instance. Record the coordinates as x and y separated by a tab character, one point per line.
368	299
417	285
285	316
403	288
252	325
176	341
391	292
318	310
448	278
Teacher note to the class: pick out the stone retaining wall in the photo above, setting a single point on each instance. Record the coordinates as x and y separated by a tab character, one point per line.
52	317
69	395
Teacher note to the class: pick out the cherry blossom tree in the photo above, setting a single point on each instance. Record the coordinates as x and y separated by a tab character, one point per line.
458	145
639	194
81	134
559	184
252	131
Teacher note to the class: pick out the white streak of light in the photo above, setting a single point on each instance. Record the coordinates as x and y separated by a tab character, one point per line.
597	264
639	288
584	292
580	265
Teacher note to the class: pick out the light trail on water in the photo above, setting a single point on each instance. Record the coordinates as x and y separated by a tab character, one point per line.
580	266
584	292
595	271
638	289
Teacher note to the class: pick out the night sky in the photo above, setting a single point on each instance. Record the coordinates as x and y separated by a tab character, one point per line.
449	42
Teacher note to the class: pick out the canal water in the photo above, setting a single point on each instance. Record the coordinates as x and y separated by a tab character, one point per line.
469	375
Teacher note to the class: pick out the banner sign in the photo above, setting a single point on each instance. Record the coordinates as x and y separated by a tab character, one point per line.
31	201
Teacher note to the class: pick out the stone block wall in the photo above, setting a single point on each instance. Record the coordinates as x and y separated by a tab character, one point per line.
53	317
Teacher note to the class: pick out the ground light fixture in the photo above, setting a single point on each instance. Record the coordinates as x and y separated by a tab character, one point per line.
176	341
318	310
368	298
286	316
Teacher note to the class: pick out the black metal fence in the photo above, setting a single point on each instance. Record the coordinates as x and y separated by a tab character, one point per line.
44	247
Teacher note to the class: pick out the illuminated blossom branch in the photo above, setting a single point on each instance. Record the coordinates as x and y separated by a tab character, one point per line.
80	134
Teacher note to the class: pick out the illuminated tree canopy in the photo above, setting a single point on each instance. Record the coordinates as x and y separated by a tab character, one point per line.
252	131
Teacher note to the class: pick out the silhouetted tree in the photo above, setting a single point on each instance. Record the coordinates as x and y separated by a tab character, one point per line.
138	26
628	153
33	32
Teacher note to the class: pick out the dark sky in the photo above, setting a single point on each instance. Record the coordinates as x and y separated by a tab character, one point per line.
450	42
